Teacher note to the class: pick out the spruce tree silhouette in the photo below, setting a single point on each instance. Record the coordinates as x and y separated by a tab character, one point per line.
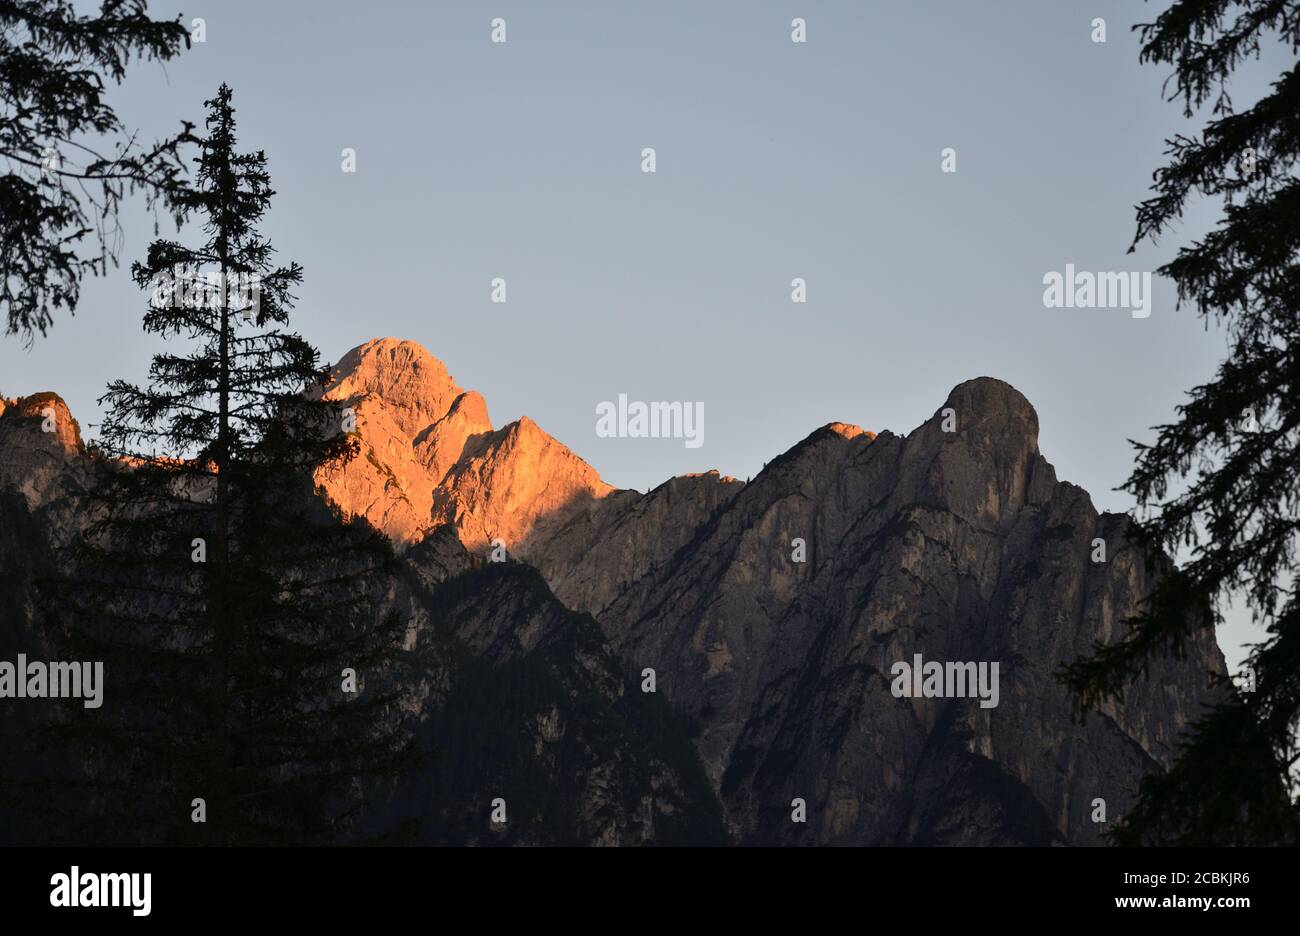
1232	455
56	189
230	605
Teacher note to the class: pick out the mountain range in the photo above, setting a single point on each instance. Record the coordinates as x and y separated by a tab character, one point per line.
712	661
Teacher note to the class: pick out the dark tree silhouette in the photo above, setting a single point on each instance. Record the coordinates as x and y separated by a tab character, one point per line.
1223	482
224	597
57	190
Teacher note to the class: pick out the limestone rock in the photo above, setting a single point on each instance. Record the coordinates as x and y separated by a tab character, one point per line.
512	485
956	542
41	453
412	422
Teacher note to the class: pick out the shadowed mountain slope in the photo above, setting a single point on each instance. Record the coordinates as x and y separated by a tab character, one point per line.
771	612
956	542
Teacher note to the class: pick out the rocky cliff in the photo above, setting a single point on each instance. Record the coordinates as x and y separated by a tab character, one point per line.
769	616
430	456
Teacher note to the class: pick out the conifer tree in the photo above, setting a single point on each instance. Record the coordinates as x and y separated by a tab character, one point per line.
1223	481
237	614
66	159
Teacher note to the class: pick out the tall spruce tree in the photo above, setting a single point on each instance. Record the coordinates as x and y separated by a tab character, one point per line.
1223	482
229	603
67	158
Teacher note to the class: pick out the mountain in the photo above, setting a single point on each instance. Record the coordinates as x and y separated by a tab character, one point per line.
513	695
431	457
958	546
772	614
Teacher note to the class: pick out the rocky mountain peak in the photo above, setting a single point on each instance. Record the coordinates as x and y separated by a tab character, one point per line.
993	409
430	455
47	413
41	446
848	430
512	483
413	384
771	611
977	456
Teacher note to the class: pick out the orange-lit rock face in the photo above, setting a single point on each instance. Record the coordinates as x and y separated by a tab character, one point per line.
514	485
411	421
429	455
848	430
771	610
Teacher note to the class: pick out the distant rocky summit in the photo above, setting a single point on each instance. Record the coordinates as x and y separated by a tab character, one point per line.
767	616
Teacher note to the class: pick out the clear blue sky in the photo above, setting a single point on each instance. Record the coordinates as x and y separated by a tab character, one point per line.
775	160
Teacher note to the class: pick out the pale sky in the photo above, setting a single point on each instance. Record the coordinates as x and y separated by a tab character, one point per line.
775	160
